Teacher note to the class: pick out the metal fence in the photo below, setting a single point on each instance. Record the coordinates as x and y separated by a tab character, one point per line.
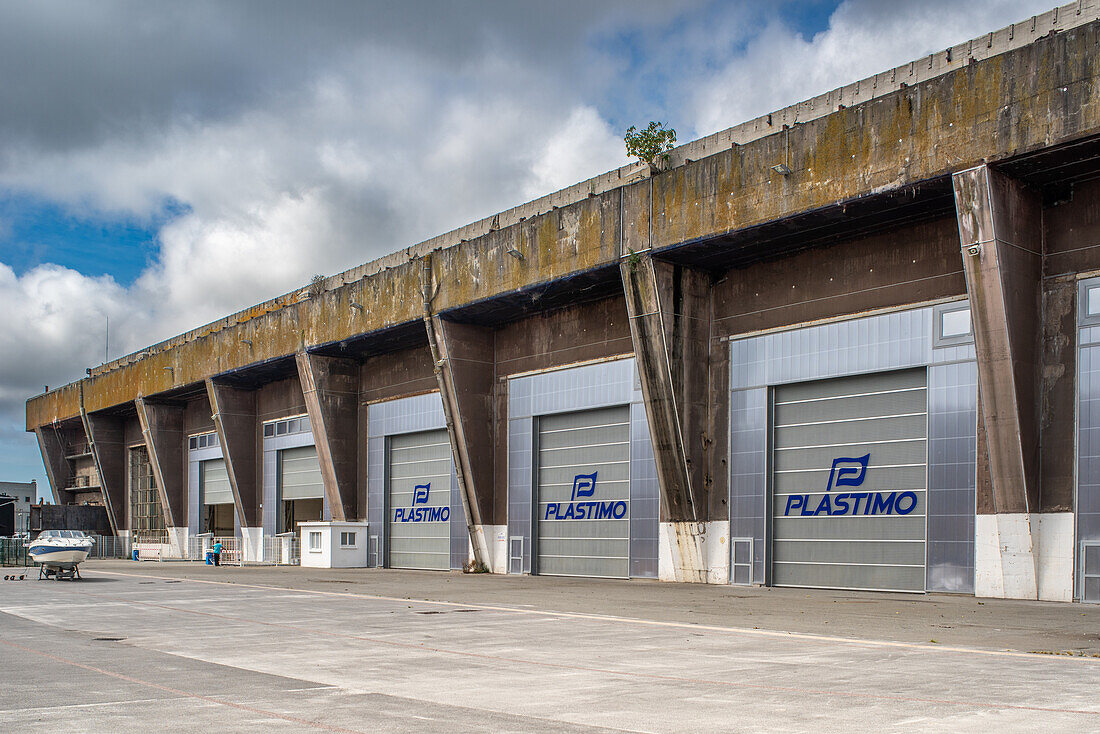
108	546
282	550
197	546
13	552
232	551
279	550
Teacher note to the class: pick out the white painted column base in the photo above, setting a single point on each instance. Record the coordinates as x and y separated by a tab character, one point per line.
1056	556
177	542
496	537
1004	557
716	550
125	549
252	544
496	540
483	539
680	552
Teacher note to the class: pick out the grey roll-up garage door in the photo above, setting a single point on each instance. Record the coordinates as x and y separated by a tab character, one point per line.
419	500
583	520
300	474
849	467
215	483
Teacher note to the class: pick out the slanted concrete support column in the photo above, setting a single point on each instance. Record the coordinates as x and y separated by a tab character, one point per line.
162	429
1000	230
108	447
669	309
234	414
331	389
53	457
464	369
105	440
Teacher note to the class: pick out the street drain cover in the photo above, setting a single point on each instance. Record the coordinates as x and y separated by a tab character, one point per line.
109	639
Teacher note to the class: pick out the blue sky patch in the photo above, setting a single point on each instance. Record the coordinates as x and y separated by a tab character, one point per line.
652	62
34	231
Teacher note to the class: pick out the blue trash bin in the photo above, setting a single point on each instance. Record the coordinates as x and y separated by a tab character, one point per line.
135	554
209	558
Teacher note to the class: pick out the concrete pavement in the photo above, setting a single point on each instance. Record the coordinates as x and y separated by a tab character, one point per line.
186	647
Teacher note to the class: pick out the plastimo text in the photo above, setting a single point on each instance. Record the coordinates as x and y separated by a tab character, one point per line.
422	514
611	510
852	503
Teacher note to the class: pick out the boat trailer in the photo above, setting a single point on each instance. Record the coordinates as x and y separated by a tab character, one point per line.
59	571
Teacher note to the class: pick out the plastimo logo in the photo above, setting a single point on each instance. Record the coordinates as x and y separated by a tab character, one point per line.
584	485
421	514
851	472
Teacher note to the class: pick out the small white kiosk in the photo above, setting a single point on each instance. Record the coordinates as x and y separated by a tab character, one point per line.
334	544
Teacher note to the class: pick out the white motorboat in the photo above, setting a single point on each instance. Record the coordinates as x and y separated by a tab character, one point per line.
60	551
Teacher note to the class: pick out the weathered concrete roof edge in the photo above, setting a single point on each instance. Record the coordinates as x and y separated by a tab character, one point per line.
838	161
936	64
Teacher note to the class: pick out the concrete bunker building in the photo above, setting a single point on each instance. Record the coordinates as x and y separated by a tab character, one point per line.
854	343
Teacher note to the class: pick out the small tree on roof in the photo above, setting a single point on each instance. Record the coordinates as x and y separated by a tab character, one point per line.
316	286
650	145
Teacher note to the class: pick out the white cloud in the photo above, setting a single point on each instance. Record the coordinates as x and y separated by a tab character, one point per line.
53	326
209	267
308	140
583	147
778	67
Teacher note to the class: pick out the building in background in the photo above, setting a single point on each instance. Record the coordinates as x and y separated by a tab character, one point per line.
23	495
854	343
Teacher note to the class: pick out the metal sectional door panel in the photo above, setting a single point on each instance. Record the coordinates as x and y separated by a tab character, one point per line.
300	474
849	474
418	498
583	480
215	483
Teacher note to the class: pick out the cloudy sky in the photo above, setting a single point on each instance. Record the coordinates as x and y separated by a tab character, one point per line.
163	164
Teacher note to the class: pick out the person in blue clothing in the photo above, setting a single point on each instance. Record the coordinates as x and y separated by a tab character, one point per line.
217	553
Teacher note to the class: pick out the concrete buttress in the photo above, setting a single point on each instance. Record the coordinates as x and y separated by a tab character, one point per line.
162	429
331	389
234	414
58	471
463	365
108	446
1000	230
669	309
105	441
